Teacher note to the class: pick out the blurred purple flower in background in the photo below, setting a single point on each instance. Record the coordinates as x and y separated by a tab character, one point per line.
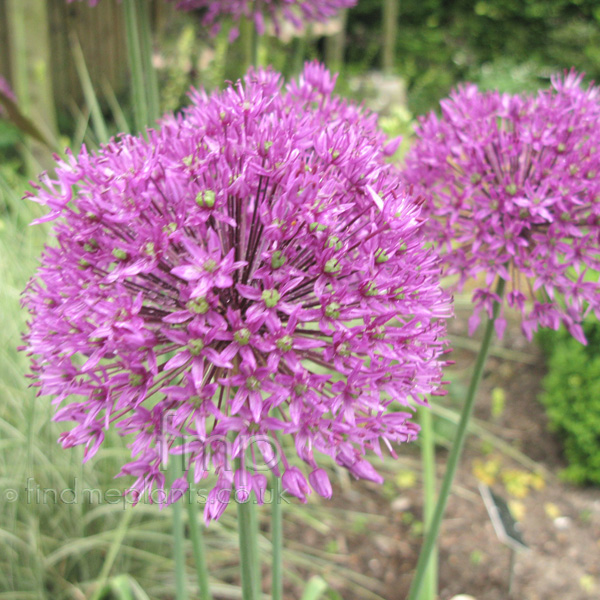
512	184
296	12
253	269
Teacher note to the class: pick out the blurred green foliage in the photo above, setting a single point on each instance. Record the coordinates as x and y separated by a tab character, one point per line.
513	45
572	399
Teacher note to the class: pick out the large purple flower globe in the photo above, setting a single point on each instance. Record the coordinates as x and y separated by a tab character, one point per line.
511	184
250	272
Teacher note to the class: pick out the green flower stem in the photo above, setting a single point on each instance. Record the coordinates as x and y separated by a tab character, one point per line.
427	439
255	552
249	39
178	535
150	79
391	9
248	550
136	65
433	531
199	549
298	53
277	541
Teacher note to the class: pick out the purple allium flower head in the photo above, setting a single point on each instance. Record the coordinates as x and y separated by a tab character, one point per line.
295	11
511	184
253	270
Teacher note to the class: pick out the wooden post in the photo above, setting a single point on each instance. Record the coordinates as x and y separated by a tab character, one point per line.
29	52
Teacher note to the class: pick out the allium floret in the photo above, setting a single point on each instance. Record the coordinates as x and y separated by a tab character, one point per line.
216	330
511	185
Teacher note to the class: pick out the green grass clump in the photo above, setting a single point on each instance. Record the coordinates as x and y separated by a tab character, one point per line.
572	399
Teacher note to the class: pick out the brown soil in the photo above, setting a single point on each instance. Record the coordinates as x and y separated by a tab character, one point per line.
560	523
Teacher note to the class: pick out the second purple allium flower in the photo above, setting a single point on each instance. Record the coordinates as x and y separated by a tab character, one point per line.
253	270
511	183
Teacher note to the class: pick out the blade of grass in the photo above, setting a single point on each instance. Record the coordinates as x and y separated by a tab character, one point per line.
89	93
84	133
23	123
120	586
477	428
140	594
134	53
151	81
120	534
81	128
115	107
457	341
315	588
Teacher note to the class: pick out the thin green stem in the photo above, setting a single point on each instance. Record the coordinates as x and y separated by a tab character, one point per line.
277	541
455	453
178	535
151	81
248	552
254	44
390	34
136	65
113	552
427	440
254	40
198	547
255	552
250	41
298	53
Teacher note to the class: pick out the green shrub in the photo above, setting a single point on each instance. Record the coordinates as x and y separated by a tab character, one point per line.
572	399
512	45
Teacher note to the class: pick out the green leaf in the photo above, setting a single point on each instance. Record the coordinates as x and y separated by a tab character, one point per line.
22	122
121	588
315	588
100	128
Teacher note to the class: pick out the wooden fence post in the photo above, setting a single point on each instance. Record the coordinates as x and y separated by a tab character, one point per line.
30	65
